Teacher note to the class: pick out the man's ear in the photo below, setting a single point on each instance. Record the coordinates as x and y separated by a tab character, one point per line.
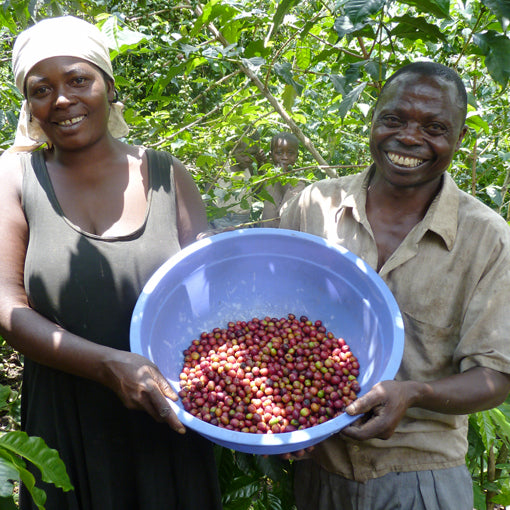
462	134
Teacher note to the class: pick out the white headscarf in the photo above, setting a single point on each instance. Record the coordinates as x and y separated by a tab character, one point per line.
66	36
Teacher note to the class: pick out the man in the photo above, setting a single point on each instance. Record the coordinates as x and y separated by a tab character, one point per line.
446	258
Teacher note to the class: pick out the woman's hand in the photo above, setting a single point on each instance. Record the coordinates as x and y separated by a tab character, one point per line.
140	385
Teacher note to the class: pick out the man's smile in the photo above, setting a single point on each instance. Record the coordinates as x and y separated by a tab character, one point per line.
404	161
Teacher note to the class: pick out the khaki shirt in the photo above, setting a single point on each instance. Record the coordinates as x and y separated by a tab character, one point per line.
451	279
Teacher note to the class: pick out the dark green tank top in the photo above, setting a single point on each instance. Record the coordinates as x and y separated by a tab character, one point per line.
86	283
117	458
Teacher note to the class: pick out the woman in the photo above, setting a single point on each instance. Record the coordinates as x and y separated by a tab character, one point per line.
85	221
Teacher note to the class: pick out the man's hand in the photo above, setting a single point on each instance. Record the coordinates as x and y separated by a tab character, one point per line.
384	406
387	402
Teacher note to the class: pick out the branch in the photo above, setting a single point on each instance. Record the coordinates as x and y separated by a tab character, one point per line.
273	101
483	10
200	119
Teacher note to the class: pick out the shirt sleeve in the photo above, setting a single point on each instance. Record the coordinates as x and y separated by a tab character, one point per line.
484	335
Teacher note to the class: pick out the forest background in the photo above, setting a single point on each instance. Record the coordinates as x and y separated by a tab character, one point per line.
197	78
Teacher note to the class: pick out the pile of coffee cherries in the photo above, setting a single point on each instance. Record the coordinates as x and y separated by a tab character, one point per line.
268	375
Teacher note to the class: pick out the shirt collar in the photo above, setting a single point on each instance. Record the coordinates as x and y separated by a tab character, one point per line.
441	217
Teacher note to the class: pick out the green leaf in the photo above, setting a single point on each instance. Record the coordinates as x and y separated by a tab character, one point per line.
8	473
38	495
38	453
8	503
360	10
439	8
272	466
417	27
500	421
303	57
494	192
209	11
376	70
241	487
500	8
348	102
245	462
496	48
344	26
476	122
486	428
6	20
289	97
5	393
338	82
283	8
120	40
284	72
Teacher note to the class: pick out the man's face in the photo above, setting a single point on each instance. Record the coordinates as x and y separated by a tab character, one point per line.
416	129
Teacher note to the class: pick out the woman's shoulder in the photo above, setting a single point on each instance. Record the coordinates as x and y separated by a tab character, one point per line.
11	168
11	176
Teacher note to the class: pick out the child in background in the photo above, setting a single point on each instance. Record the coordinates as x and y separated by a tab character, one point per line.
284	154
247	156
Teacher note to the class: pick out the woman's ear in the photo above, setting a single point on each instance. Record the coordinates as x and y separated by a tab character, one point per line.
111	91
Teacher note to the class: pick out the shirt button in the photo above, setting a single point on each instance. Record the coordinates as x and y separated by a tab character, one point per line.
355	448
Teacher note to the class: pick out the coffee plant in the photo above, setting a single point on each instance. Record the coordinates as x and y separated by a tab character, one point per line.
197	78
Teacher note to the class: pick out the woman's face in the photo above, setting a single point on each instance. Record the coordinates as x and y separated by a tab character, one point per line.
71	100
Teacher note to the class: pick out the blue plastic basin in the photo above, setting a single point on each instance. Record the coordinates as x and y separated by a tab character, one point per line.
262	272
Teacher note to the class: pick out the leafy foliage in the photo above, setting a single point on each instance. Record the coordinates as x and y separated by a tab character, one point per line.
251	482
197	78
16	445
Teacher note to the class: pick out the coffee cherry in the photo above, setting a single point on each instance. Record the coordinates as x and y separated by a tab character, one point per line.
268	375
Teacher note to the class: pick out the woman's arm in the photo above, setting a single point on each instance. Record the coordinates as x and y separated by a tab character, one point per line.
191	216
136	380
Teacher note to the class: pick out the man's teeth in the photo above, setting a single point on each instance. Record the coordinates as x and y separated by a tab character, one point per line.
404	160
70	122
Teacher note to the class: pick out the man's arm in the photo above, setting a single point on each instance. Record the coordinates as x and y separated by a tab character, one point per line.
385	404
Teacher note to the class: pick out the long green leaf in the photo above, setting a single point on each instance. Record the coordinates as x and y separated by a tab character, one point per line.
38	495
8	474
120	39
5	393
38	453
360	10
284	71
496	48
283	8
349	100
500	422
501	9
344	26
7	503
417	27
439	8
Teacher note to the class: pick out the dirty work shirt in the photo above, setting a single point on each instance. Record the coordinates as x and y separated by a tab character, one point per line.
116	458
451	279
